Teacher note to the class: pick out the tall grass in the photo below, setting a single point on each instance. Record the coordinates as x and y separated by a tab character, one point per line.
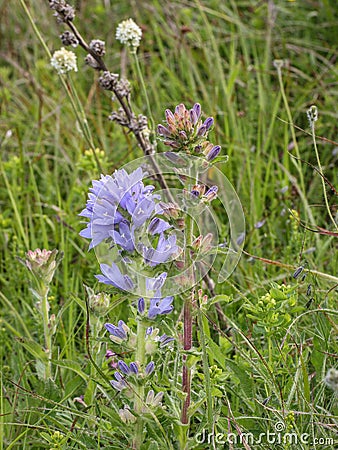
271	365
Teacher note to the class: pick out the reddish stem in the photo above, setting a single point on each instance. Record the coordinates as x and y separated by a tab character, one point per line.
186	375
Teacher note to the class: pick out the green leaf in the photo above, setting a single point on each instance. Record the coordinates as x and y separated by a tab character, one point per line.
33	348
277	294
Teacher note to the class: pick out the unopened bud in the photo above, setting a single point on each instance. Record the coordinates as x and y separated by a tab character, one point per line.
43	263
98	303
91	61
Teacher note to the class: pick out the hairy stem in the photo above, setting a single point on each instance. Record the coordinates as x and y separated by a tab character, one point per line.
187	344
139	389
187	327
46	329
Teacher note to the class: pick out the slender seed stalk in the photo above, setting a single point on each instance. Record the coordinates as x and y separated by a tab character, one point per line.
139	389
322	175
293	134
81	117
70	90
144	89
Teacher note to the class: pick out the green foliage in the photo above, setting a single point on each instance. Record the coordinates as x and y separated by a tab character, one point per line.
272	347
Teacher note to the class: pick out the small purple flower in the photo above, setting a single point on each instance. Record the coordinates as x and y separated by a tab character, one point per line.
169	116
118	376
240	239
143	211
113	276
160	306
163	131
260	223
149	368
133	368
109	354
119	384
119	331
149	330
208	123
123	367
124	237
141	305
154	284
201	131
214	152
211	194
158	225
164	340
195	113
165	249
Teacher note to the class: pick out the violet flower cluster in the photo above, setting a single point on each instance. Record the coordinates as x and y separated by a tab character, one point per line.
122	334
185	131
122	211
118	208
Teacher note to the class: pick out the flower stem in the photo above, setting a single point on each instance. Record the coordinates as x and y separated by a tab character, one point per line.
46	329
139	389
187	344
187	328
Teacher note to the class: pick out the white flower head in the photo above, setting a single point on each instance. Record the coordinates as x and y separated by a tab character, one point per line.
129	33
64	61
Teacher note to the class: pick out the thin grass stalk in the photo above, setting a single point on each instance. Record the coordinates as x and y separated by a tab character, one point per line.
75	104
322	175
202	324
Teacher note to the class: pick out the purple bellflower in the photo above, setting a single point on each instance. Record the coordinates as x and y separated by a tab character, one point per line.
119	331
113	276
159	306
165	249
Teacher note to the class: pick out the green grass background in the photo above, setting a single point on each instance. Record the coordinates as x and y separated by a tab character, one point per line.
221	55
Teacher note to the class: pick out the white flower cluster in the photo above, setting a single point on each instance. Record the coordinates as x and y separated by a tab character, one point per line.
129	33
64	61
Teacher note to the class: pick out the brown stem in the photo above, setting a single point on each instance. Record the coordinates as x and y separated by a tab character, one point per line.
146	147
186	375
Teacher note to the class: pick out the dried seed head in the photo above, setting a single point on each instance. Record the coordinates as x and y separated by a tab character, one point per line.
108	80
278	63
123	87
312	115
119	117
91	61
63	11
69	38
98	47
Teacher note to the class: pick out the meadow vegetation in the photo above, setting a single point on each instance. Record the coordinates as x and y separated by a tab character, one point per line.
257	68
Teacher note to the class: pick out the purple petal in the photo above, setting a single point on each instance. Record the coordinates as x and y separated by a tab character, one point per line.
149	368
123	367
